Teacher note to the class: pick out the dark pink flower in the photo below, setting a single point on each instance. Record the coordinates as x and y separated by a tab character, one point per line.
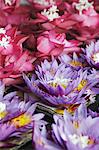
55	43
13	65
9	39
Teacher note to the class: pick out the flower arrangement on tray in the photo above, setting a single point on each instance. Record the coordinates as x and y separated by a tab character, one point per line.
49	74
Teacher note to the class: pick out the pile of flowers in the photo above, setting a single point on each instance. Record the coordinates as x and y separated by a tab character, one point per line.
49	73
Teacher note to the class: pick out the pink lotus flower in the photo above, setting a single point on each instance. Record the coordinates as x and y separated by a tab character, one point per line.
13	65
14	14
89	18
53	43
9	38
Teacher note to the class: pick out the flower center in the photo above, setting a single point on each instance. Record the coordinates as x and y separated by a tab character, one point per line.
76	124
76	63
84	141
96	58
3	114
83	5
59	81
21	120
82	85
2	110
51	13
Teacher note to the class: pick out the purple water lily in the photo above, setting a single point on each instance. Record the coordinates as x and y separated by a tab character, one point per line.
92	54
58	84
79	131
16	115
73	61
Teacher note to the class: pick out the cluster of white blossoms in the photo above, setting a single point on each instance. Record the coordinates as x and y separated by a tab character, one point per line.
83	5
51	13
8	2
92	96
83	141
5	42
5	39
96	58
45	2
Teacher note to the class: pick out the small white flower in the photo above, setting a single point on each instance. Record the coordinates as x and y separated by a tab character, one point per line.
8	2
83	5
45	2
84	141
5	41
74	139
2	31
51	13
2	107
96	58
81	140
92	96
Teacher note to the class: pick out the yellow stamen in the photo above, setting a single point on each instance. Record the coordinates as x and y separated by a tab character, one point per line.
76	63
72	108
91	141
76	124
81	85
59	111
21	120
3	114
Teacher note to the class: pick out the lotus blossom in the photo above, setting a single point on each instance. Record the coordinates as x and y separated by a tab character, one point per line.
9	39
86	13
79	131
60	85
92	54
12	66
13	59
16	120
74	24
75	62
14	14
55	43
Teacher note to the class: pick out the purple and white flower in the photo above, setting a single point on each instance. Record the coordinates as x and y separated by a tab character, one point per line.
59	84
92	54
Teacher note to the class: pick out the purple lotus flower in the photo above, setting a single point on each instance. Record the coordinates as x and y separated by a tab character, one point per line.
16	116
92	54
74	61
59	84
79	131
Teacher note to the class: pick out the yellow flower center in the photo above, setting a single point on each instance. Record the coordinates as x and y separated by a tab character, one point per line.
72	108
82	85
76	124
3	114
84	141
76	63
59	111
21	120
59	81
